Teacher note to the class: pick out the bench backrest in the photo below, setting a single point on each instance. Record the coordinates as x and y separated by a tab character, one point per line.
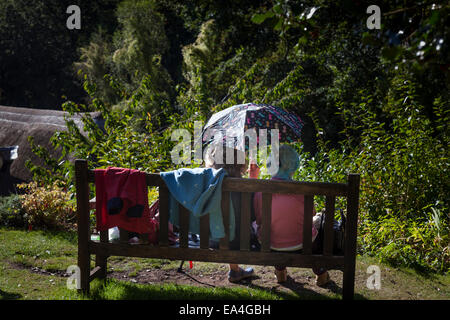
246	187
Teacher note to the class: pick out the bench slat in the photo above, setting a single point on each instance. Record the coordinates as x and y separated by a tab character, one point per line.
123	235
154	179
260	185
104	237
97	272
245	221
204	231
266	221
289	187
328	228
163	216
219	256
224	243
184	227
307	224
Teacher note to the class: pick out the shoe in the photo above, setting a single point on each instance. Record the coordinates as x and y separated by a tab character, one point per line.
236	276
281	275
322	279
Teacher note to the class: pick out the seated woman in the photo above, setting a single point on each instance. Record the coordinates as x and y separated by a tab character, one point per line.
287	215
237	170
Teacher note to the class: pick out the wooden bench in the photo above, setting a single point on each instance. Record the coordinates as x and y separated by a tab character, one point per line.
103	249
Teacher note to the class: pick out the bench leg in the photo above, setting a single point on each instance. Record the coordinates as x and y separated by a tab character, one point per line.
123	235
101	259
180	268
85	269
351	232
82	189
348	286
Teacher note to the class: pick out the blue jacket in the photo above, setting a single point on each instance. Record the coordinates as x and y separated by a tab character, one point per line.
200	191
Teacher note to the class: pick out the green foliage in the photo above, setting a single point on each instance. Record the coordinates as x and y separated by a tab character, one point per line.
130	60
422	245
48	206
202	58
11	212
53	169
122	144
405	164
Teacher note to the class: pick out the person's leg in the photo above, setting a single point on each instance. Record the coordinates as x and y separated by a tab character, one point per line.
281	273
237	274
322	276
234	267
318	271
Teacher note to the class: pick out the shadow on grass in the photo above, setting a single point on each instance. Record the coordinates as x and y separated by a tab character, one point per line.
112	289
298	291
9	295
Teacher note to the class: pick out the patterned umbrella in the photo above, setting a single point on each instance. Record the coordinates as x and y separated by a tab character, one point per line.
231	124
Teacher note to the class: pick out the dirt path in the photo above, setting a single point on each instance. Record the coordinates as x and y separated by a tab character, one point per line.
396	284
300	281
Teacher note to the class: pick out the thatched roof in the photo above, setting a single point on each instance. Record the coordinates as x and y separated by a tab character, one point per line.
16	124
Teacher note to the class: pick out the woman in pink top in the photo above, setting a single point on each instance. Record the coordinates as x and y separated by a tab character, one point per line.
287	214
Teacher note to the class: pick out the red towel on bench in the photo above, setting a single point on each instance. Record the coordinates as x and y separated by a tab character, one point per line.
122	200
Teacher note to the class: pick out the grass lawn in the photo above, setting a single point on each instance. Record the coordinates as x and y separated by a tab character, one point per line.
33	266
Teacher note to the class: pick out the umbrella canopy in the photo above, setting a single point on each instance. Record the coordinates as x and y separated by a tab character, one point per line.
230	125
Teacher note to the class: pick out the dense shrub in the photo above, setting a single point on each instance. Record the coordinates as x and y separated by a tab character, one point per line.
48	206
11	212
420	245
403	162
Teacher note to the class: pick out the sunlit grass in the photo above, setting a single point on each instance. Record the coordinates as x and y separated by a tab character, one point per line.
112	289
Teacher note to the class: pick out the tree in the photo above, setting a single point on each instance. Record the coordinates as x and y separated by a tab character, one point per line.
37	50
131	57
